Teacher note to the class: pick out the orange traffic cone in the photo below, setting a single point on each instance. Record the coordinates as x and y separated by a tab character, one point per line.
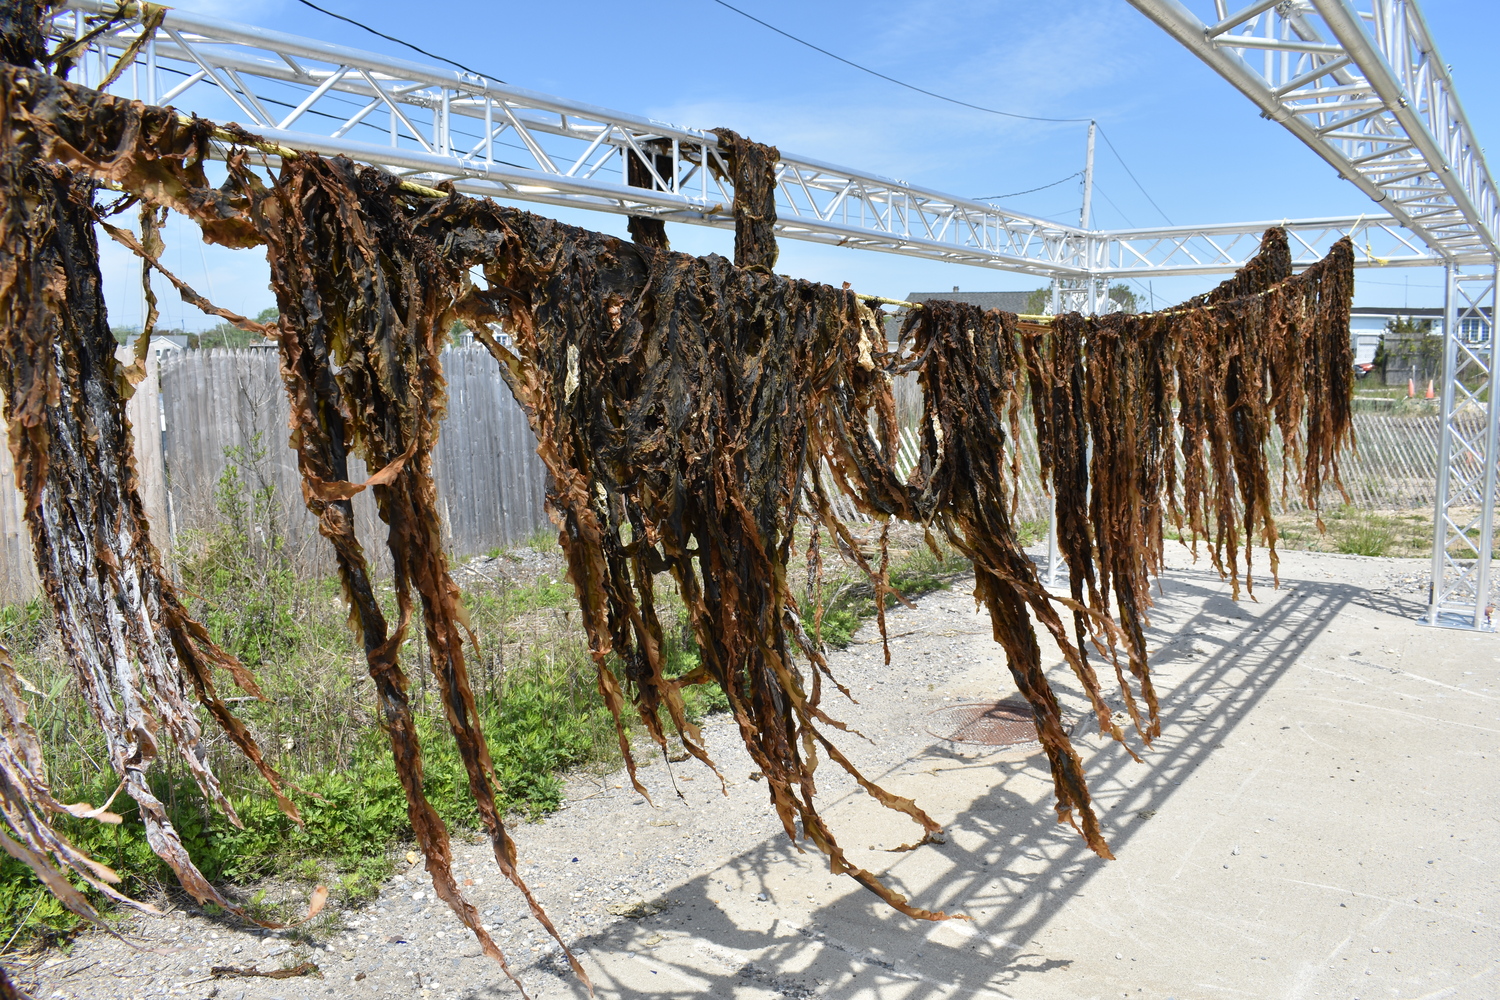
1430	393
1411	389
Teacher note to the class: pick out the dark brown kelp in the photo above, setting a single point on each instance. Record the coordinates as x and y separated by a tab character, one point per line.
752	169
365	305
27	808
670	397
645	230
972	385
689	411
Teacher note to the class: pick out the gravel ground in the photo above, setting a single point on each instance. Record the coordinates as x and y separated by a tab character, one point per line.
607	865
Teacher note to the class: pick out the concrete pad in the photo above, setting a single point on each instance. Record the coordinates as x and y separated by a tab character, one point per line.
1318	819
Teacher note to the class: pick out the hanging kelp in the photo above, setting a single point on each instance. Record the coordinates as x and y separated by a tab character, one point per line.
365	307
649	168
972	387
670	396
685	408
27	807
752	170
131	643
1274	354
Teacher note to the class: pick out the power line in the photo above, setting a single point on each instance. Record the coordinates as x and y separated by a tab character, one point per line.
1017	194
1112	205
890	79
398	41
1112	149
950	100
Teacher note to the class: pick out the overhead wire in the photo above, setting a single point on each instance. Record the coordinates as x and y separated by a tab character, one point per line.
950	100
1017	194
883	76
399	41
1138	184
1118	211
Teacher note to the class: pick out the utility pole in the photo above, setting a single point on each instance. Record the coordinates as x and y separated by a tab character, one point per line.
1088	181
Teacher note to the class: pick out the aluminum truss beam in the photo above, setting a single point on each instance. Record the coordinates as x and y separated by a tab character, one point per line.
1363	85
433	124
1463	535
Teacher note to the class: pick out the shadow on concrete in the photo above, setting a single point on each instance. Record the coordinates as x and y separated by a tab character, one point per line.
1217	658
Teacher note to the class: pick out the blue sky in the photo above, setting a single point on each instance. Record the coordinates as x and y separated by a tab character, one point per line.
1199	148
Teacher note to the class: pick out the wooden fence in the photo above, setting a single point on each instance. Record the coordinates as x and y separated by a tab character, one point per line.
209	412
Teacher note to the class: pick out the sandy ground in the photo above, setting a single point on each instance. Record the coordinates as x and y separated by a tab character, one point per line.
1318	819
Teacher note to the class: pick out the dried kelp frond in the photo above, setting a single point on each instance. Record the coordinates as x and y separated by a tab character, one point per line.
1271	265
130	641
128	638
1312	364
1057	383
670	396
752	169
145	150
971	379
1242	363
646	230
1132	448
365	304
685	409
27	805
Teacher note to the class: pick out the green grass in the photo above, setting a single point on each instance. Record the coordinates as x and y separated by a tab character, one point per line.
534	683
851	599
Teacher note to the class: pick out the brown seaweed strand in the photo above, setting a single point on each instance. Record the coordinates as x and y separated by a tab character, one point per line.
752	170
27	807
644	229
124	633
665	391
971	371
1055	377
381	324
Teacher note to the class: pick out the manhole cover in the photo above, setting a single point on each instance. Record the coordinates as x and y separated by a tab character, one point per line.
988	723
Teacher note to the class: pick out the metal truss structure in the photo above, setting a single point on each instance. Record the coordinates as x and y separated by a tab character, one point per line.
1360	83
1463	539
433	124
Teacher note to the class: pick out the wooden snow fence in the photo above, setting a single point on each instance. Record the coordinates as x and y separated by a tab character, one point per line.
490	482
206	412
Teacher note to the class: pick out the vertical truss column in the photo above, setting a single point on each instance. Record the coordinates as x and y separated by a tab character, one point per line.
1464	502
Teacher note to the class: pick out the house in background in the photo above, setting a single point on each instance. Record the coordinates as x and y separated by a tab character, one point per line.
167	346
1415	355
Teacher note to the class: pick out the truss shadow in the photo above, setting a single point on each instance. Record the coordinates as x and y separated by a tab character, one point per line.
1222	657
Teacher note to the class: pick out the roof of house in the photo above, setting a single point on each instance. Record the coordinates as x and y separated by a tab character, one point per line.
1396	311
1013	302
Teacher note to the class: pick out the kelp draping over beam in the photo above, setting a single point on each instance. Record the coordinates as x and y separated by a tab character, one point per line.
132	645
643	173
365	306
1264	345
687	408
752	169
